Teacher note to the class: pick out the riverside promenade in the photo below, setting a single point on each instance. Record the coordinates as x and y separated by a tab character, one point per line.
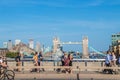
62	76
88	70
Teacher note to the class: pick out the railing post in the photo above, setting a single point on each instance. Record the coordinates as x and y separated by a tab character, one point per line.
54	64
78	73
85	65
102	64
22	65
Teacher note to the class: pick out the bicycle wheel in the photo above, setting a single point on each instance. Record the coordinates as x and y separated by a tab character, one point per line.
9	74
1	74
1	77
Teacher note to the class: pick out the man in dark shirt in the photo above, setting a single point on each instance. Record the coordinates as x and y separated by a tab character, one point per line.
17	59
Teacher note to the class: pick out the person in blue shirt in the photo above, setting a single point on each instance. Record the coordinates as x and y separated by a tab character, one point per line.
108	62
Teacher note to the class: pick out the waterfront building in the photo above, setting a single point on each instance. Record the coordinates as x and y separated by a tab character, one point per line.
116	44
10	44
3	51
115	38
31	43
17	41
22	48
5	44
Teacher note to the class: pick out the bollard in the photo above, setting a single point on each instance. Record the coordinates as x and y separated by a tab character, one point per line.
91	78
78	76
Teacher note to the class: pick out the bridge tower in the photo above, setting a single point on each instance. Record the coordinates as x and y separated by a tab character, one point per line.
56	44
85	47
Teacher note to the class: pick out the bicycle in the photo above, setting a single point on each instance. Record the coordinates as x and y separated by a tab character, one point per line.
6	74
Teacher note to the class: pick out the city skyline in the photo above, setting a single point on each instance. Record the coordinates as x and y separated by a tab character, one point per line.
70	20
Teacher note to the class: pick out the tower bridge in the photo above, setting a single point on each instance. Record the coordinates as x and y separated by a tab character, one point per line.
57	44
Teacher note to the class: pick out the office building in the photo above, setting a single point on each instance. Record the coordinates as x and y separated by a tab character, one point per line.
5	44
10	44
31	43
17	41
116	44
115	38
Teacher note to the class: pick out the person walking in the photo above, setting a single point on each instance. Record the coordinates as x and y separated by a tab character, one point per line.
113	61
18	61
35	59
108	62
40	59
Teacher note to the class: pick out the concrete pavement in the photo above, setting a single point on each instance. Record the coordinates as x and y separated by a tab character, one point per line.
64	76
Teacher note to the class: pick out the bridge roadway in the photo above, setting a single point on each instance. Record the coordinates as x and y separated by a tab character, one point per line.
84	75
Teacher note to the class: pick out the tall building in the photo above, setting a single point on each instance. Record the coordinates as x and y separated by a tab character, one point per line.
5	44
10	45
17	41
116	44
31	43
37	48
115	38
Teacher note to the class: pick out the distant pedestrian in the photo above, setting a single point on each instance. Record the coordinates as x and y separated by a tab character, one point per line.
40	59
108	62
35	62
18	61
113	61
70	56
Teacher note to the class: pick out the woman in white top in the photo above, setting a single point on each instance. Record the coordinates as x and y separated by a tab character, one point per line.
1	63
113	63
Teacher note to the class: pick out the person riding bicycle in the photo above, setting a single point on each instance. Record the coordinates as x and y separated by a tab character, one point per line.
2	64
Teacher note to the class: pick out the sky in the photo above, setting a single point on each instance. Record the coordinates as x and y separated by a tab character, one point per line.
69	20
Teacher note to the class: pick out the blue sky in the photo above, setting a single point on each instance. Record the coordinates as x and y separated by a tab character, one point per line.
67	19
